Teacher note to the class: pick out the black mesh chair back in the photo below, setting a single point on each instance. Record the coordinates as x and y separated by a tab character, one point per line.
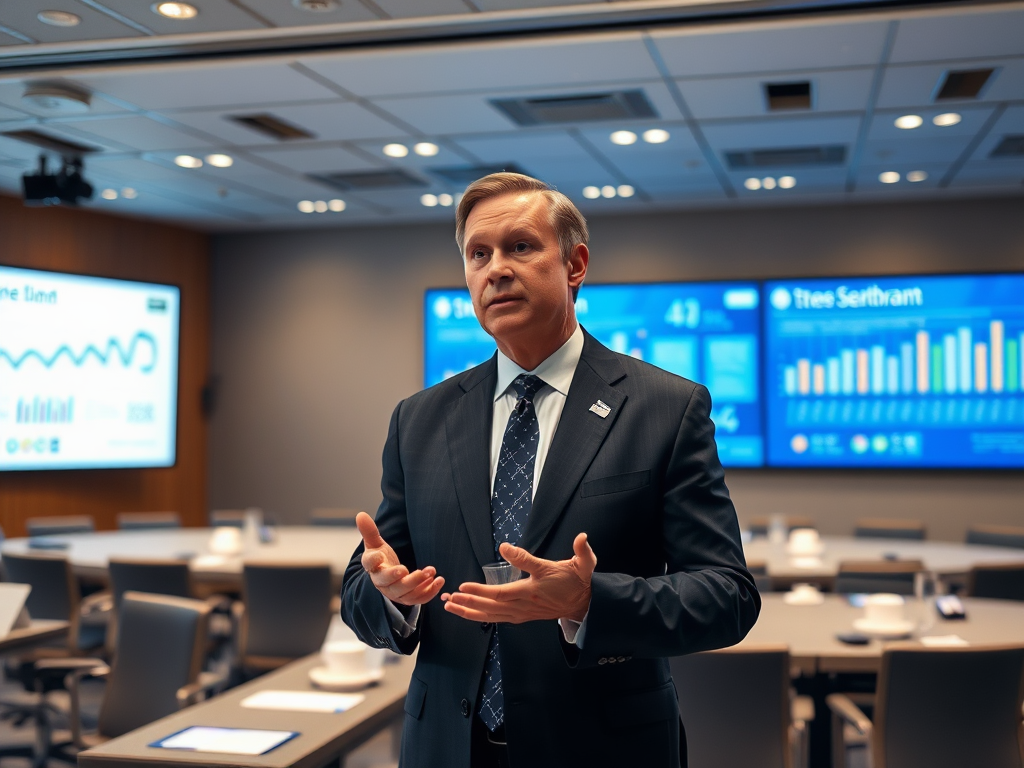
996	536
949	708
759	570
874	576
55	593
735	707
161	645
57	526
334	517
287	612
1002	582
886	528
759	525
146	521
233	518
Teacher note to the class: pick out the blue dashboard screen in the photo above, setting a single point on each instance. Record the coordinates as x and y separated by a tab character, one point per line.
922	371
707	332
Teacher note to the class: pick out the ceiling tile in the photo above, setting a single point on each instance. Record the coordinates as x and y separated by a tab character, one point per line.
959	35
20	15
835	91
769	134
542	155
284	14
869	172
315	159
11	92
400	9
208	85
694	52
903	152
213	16
991	174
136	132
523	64
219	124
883	126
680	154
515	5
337	121
6	39
1010	122
912	86
444	157
833	179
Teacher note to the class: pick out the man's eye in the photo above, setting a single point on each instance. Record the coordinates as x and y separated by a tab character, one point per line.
479	254
522	247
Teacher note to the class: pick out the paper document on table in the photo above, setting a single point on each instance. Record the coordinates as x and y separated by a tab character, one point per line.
943	641
227	741
303	701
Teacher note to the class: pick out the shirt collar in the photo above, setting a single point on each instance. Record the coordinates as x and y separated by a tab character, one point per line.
556	371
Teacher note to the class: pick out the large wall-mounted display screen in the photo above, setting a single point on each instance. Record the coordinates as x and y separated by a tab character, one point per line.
707	332
922	371
88	372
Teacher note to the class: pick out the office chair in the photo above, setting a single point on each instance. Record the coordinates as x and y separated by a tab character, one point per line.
57	526
999	581
334	517
889	528
939	708
759	525
759	570
233	518
145	521
874	576
285	612
158	669
738	709
995	536
158	577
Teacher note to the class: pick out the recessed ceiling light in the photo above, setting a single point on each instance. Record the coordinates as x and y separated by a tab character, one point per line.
306	206
59	18
591	193
946	119
917	175
396	150
336	205
768	183
623	138
63	98
607	191
220	161
889	177
109	194
752	184
187	161
656	136
445	199
625	190
428	200
425	149
316	6
129	194
320	206
178	11
787	182
906	122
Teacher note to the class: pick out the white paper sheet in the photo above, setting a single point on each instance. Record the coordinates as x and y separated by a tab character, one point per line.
228	741
943	641
303	701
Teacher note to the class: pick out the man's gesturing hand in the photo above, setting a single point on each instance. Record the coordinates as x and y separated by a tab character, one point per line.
391	577
555	590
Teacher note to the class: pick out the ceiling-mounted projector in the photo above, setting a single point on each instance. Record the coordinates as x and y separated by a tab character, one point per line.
66	187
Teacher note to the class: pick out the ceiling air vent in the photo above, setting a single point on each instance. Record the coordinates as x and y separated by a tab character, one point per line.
369	180
577	108
1010	146
963	83
467	174
786	157
783	96
271	126
51	143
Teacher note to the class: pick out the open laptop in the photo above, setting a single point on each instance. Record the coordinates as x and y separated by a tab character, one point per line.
12	606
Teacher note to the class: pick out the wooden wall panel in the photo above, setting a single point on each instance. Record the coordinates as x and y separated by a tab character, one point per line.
86	242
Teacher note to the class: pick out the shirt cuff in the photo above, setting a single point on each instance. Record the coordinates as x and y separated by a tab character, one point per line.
401	624
573	631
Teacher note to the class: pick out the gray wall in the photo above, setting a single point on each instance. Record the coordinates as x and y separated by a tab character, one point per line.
317	335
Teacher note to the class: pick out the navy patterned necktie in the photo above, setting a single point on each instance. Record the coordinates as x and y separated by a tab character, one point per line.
511	502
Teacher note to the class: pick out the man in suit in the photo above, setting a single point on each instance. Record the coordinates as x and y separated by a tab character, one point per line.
594	473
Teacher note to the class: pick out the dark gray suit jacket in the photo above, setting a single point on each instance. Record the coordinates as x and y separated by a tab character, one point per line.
646	486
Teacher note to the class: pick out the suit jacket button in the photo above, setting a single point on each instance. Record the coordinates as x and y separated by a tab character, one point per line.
621	658
465	707
602	660
486	627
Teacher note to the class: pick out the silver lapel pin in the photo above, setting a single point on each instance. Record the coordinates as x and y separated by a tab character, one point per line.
601	409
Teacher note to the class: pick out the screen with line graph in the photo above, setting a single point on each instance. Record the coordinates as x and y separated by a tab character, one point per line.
88	372
922	371
706	332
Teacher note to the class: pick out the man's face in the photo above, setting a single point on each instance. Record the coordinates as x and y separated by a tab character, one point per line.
520	284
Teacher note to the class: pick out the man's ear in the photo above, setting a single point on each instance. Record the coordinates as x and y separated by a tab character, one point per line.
578	262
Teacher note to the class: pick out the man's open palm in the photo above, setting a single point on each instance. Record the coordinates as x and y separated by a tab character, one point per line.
389	575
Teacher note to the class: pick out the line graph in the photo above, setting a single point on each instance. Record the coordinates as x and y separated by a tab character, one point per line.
104	356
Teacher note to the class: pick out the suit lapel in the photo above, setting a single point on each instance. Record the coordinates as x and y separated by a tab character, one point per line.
468	428
577	439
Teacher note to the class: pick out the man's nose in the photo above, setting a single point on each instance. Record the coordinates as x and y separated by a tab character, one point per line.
500	267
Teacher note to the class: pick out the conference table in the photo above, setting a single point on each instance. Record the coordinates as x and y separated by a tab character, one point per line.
323	736
37	631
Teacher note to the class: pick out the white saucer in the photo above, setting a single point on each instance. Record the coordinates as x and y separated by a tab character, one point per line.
814	550
322	677
808	563
884	630
803	598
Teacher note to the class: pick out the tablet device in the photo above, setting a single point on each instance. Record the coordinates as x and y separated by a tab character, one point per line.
226	741
43	542
12	603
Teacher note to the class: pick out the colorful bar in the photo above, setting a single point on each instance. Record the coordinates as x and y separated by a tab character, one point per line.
878	369
862	371
995	340
907	365
846	360
892	375
949	353
936	369
981	367
789	379
965	345
818	371
832	372
1012	366
803	376
923	376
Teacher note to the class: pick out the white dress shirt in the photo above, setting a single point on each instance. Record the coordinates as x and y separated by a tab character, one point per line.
556	372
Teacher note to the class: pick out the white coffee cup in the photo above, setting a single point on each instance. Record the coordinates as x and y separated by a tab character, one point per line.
884	609
226	540
804	540
805	590
345	658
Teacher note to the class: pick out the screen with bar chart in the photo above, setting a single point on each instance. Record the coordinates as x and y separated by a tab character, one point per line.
88	372
922	371
707	332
